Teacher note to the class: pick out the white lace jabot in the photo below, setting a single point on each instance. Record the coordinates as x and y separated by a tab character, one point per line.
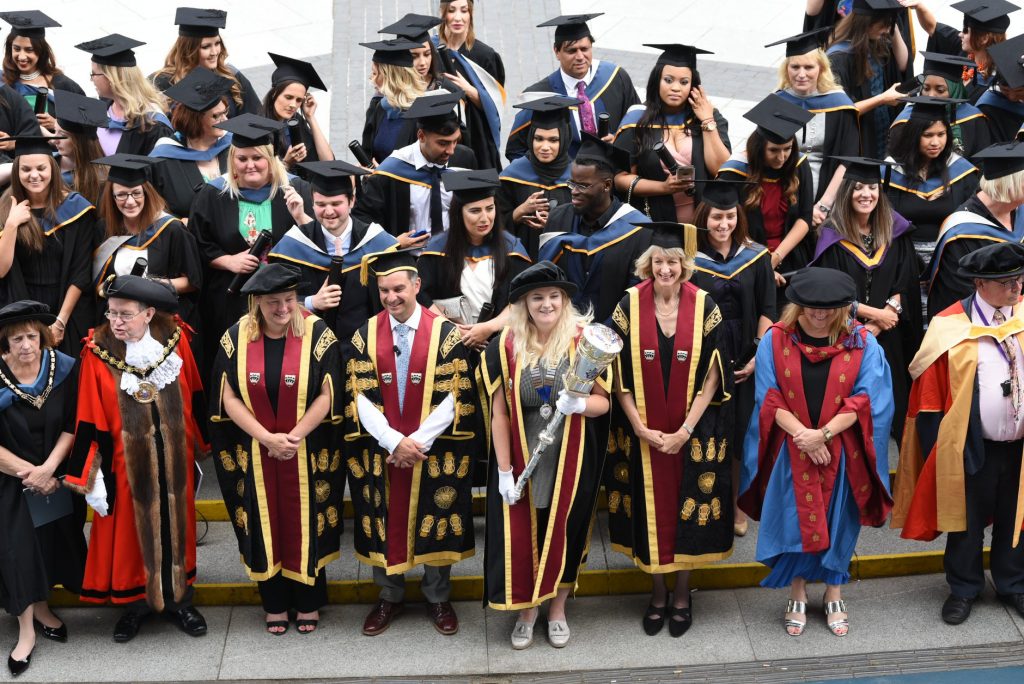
143	353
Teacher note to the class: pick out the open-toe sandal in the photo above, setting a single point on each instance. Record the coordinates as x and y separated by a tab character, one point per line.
838	627
277	624
795	627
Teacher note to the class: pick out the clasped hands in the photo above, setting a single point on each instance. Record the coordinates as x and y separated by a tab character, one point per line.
282	445
408	453
812	442
39	479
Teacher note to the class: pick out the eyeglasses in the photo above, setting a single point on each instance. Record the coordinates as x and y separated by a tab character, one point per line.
578	187
121	315
121	197
1010	283
95	75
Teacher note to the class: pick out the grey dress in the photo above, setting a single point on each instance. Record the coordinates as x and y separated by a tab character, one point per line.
543	479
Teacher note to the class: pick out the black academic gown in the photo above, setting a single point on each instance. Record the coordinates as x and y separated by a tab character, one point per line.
946	39
617	98
896	274
141	142
214	222
743	286
385	200
511	194
38	558
1003	116
928	215
487	57
431	266
844	68
292	135
16	117
179	181
648	166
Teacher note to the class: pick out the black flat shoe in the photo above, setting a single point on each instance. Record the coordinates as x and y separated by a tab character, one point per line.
53	633
189	620
654	619
956	609
1015	600
18	666
680	619
127	628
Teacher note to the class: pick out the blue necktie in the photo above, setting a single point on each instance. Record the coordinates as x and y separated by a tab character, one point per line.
402	362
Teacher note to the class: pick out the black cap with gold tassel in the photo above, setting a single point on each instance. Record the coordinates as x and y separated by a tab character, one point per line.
671	235
387	262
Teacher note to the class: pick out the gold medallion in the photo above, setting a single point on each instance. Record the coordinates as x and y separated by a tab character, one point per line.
146	393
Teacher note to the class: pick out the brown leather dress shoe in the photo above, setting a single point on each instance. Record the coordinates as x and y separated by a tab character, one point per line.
380	617
444	618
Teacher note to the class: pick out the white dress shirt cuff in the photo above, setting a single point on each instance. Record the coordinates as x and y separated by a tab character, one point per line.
377	424
436	423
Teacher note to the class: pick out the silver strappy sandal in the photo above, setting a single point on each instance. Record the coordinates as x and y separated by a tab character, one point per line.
793	627
838	627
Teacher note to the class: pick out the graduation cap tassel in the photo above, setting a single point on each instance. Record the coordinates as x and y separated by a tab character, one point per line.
364	270
690	240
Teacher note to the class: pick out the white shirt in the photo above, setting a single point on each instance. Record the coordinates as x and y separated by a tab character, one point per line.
570	89
376	423
346	247
995	409
419	196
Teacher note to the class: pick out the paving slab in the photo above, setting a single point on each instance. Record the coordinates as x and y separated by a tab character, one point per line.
410	647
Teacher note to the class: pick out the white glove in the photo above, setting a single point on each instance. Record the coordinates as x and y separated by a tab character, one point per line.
507	486
97	496
568	404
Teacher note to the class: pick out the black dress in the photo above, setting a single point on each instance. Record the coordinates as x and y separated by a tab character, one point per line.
34	559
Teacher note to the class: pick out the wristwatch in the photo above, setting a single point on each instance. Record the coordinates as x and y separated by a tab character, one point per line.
895	304
828	435
709	126
824	210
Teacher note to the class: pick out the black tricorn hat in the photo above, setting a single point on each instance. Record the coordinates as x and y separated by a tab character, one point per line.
821	288
273	278
149	292
541	274
24	311
993	262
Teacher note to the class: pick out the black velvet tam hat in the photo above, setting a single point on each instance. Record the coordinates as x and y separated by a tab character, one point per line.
541	274
272	279
993	262
821	288
24	311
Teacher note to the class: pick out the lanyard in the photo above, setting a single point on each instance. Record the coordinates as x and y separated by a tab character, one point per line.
999	346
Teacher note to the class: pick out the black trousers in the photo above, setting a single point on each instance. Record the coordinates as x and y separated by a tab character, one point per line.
991	495
280	594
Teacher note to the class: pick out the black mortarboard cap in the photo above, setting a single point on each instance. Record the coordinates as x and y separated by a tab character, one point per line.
777	119
472	186
200	90
433	111
153	293
721	194
677	55
540	274
865	169
549	112
875	6
332	177
802	43
387	262
986	15
992	262
78	113
1000	159
28	23
815	287
672	235
130	170
570	27
593	147
112	50
394	51
290	69
1009	60
950	67
415	27
251	130
200	23
927	108
26	310
273	278
31	144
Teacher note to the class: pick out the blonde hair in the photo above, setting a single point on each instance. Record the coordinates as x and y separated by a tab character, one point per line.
183	57
400	85
278	174
643	269
1008	189
442	30
137	96
827	81
296	326
837	325
527	348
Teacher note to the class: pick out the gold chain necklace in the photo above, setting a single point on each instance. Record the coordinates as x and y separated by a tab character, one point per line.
34	402
140	373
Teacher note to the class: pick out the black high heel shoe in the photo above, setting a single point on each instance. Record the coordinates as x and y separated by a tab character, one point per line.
53	633
680	619
17	667
654	618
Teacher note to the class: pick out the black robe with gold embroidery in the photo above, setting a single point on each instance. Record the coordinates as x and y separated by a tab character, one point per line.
286	514
669	512
428	508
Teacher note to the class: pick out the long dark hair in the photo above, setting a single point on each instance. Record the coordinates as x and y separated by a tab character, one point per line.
787	175
855	28
268	110
46	62
905	148
654	109
457	246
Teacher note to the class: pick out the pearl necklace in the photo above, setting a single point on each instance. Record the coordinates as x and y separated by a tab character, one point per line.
30	77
